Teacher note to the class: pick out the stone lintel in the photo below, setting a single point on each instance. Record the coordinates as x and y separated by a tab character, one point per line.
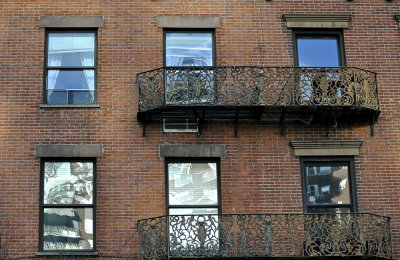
189	21
326	148
69	150
192	150
71	21
317	20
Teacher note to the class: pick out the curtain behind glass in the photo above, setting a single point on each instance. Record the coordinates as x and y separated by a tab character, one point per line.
70	50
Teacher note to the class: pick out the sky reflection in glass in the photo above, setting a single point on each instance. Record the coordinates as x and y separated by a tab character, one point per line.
318	52
189	49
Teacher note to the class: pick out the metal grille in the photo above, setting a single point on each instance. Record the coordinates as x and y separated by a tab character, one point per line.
264	86
265	235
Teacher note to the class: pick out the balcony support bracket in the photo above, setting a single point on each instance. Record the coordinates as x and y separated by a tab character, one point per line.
330	118
200	120
236	122
372	125
144	129
327	129
260	113
281	123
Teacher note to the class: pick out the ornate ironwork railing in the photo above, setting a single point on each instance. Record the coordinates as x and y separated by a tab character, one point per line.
265	235
264	86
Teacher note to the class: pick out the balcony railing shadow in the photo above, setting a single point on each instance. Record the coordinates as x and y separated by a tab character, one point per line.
265	235
262	86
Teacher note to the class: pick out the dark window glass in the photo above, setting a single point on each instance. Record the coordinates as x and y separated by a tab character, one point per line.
67	206
70	67
192	187
328	186
318	49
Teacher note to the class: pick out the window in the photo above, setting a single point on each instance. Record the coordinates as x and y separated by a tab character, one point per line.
318	49
70	67
328	185
192	186
67	205
194	51
194	48
193	206
320	54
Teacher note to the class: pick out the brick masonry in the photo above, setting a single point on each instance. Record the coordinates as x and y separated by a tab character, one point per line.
259	173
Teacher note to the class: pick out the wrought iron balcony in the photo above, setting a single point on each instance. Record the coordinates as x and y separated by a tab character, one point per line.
266	235
258	93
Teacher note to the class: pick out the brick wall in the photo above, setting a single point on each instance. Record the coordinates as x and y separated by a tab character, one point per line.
260	173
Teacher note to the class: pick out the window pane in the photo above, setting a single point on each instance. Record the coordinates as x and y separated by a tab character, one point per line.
71	49
189	49
70	79
70	87
318	52
328	185
59	96
192	184
68	183
67	228
193	211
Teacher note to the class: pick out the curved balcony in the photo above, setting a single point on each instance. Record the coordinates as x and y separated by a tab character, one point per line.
266	94
287	236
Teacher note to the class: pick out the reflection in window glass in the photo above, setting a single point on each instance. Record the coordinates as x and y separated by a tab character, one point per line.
192	184
67	207
192	188
193	191
67	228
71	49
68	183
189	49
318	52
329	186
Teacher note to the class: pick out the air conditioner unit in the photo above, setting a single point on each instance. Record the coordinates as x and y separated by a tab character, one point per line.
180	125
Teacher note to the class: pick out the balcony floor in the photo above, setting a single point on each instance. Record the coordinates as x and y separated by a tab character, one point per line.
259	113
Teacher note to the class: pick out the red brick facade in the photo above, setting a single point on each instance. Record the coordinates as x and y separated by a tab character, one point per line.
259	174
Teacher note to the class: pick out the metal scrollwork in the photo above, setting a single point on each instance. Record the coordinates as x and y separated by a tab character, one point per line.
153	238
262	86
194	236
265	235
